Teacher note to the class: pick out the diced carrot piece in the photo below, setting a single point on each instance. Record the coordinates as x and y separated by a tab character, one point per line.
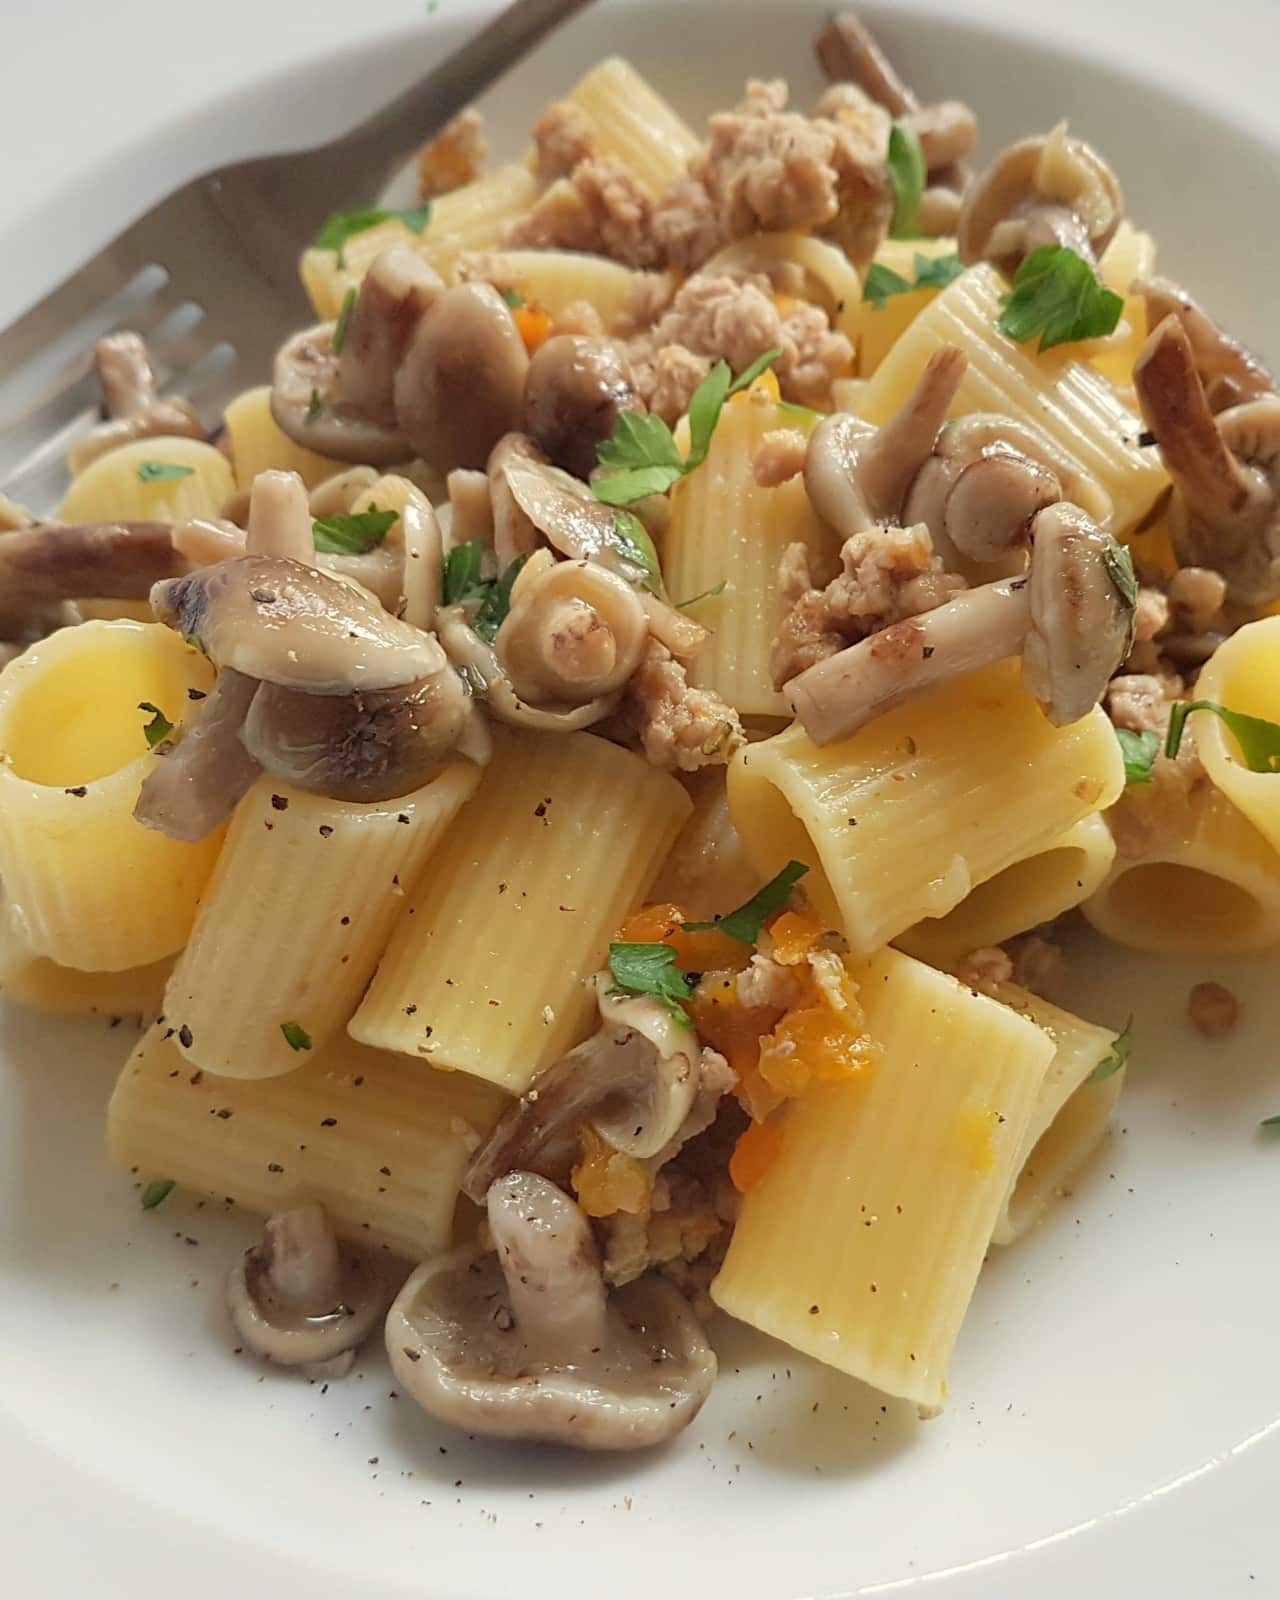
755	1152
534	324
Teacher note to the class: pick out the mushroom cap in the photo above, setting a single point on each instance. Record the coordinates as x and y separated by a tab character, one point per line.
1080	621
365	746
513	532
831	473
575	391
290	624
304	385
575	632
301	1298
478	663
398	289
522	1344
460	386
1036	175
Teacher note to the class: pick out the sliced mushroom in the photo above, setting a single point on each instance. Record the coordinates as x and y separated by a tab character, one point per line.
134	407
207	772
303	1300
460	386
1047	190
576	390
362	747
396	292
1081	623
1068	617
52	561
848	50
575	632
477	662
514	533
1230	374
295	626
526	1343
280	518
1225	511
634	1080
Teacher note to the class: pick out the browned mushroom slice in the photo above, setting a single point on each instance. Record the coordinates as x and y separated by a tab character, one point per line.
134	407
847	49
1225	513
635	1080
576	390
290	624
1052	189
527	1343
460	386
513	532
365	746
52	561
396	292
1081	621
575	632
201	780
1230	373
303	1300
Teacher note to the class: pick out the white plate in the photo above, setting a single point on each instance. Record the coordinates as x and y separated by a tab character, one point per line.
1115	1389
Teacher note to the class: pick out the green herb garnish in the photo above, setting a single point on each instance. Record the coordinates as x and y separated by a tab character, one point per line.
1259	740
463	577
1270	1122
683	605
745	923
907	173
1118	1058
162	471
650	969
314	408
344	316
1056	295
1139	751
158	728
640	455
340	227
514	299
157	1190
630	539
497	602
295	1036
932	272
353	533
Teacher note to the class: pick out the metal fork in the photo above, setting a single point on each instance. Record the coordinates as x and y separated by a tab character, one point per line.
210	275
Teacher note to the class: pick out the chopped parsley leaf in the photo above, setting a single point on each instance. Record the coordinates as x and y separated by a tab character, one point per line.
463	577
650	969
932	272
1118	1058
342	224
497	602
630	539
158	728
514	299
162	471
295	1036
158	1190
1057	296
745	923
353	533
344	316
1259	740
907	173
1139	751
707	594
314	408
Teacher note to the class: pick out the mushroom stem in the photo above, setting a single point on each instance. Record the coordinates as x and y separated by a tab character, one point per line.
124	371
52	561
848	52
1228	499
280	518
551	1269
199	783
303	1265
1229	372
891	458
836	697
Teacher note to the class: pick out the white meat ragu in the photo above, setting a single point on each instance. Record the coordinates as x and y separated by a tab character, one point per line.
681	728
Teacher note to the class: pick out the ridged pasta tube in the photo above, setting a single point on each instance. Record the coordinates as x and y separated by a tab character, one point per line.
485	970
88	886
151	480
30	980
904	818
879	327
296	918
557	279
1243	674
631	122
862	1242
380	1141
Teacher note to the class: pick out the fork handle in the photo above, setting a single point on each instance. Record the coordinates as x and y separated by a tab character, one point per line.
385	140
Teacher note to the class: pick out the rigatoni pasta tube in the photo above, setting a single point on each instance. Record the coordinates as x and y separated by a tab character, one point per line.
557	279
1243	674
380	1141
297	914
861	1243
473	217
87	886
1030	892
880	326
485	969
35	981
151	480
901	820
726	529
632	123
1070	1114
1062	398
1193	877
708	871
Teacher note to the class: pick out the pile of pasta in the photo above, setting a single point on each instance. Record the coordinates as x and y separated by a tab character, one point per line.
347	996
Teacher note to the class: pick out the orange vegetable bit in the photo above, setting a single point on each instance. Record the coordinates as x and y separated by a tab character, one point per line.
534	325
815	1045
755	1152
794	934
605	1180
695	952
727	1025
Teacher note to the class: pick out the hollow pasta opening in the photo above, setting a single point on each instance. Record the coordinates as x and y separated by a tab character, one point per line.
76	718
774	835
1184	904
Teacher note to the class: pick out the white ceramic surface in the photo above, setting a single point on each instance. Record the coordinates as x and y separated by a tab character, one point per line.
1115	1390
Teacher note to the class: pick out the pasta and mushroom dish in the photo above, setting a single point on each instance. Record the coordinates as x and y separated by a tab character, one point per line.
582	771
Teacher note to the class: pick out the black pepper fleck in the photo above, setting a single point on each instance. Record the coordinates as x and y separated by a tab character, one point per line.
79	791
279	803
185	1037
